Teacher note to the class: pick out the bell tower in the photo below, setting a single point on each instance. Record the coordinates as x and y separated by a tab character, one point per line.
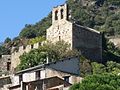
59	13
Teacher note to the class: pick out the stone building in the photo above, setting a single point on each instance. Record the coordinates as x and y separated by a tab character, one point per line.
52	83
5	64
52	75
16	53
66	70
87	40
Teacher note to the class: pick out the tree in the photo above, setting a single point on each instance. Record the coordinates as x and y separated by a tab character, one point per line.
99	82
28	32
98	68
113	67
36	30
85	67
33	58
7	40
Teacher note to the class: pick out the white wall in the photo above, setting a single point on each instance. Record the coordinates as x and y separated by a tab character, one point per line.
43	74
15	80
30	76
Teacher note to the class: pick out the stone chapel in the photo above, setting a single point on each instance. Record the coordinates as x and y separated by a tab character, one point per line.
88	41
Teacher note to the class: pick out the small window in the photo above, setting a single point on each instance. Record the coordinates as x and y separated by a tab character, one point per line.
32	46
9	59
39	43
62	13
59	38
8	66
56	15
66	78
24	47
38	75
20	78
58	27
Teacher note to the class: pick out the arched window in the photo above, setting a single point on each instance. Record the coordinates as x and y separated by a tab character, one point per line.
56	15
62	13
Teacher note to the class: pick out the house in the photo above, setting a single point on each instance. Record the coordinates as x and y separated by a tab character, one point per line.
67	69
52	83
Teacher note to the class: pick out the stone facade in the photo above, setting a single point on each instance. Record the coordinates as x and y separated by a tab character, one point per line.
62	68
61	29
87	40
15	60
66	70
5	64
42	84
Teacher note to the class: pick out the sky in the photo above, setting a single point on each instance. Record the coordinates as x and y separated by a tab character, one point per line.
14	14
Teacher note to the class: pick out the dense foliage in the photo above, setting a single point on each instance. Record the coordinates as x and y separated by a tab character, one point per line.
99	82
36	40
39	29
102	15
88	68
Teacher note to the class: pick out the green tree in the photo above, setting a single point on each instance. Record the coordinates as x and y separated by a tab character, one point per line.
36	30
113	67
85	67
99	82
28	32
7	40
98	68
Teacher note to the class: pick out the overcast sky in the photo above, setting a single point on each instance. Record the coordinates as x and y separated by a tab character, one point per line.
14	14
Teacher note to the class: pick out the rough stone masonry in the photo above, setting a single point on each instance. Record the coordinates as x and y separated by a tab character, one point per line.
88	41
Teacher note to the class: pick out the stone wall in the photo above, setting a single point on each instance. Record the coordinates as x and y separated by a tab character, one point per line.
60	31
5	64
88	41
15	61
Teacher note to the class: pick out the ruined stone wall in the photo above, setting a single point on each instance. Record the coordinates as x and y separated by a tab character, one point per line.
5	64
15	61
88	41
